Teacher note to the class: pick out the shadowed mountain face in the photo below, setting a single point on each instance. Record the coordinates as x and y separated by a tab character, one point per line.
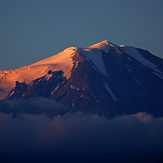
102	79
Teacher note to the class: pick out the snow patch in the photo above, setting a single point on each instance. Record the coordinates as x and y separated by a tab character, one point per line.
133	52
129	58
129	68
78	89
104	46
48	76
94	56
97	101
58	77
52	92
110	92
157	74
12	93
136	81
122	45
73	87
56	87
76	64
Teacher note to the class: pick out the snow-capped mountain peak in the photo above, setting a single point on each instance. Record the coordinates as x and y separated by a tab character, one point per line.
100	57
61	61
103	78
104	45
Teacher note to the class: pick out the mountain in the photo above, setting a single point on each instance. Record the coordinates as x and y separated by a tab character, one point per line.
102	79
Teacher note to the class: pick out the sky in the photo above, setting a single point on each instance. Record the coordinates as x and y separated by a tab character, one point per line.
36	29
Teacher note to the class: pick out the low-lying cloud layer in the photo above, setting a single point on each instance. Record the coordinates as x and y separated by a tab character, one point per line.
76	133
38	102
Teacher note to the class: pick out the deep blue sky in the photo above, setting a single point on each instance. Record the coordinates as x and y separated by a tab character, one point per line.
31	30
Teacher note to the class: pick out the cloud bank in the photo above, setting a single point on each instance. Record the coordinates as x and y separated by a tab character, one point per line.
76	133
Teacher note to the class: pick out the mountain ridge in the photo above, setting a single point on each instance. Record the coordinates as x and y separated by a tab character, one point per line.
63	59
104	79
